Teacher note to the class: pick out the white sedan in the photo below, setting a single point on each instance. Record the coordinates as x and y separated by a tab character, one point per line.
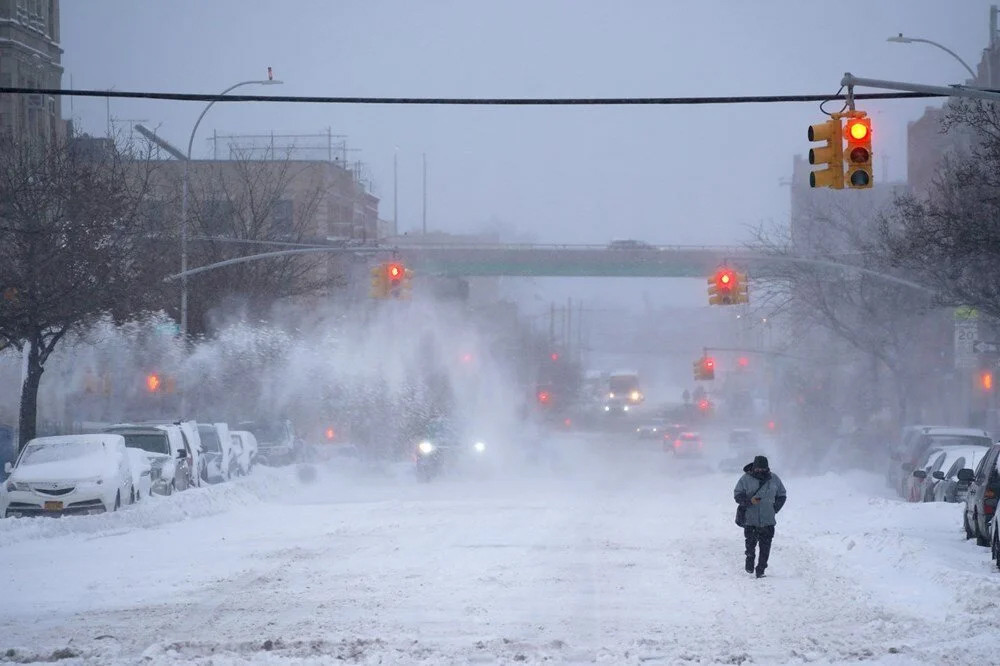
72	474
142	474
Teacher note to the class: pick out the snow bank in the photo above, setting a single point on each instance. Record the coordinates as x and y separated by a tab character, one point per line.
266	483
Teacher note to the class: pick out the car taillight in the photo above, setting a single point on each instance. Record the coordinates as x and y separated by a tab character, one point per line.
677	443
989	509
989	494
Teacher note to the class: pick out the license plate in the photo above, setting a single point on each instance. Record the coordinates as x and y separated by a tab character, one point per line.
53	506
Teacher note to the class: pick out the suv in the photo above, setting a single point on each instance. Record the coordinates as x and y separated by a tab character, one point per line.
276	441
217	450
981	501
164	446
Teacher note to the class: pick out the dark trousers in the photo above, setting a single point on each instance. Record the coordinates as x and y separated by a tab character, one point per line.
755	535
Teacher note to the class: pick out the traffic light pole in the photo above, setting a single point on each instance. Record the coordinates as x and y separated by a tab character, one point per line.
850	81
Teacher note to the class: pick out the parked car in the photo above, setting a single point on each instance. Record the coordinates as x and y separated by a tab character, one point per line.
245	448
950	483
981	500
917	441
71	474
141	475
995	541
217	451
687	444
920	482
276	441
191	441
167	450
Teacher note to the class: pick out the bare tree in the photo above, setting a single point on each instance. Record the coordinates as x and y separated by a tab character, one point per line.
950	236
247	206
69	227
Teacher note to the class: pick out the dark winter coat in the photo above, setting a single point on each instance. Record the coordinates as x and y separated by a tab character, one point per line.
772	497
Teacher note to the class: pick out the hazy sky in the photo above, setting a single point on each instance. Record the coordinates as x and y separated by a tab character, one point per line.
685	175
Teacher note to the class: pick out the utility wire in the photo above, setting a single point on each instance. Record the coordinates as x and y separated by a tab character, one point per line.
461	101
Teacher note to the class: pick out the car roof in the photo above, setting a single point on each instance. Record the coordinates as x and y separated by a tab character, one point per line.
65	439
958	432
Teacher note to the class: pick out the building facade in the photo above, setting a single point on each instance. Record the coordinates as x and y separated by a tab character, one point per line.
30	56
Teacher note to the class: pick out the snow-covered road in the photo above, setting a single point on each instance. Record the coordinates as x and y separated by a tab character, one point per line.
616	555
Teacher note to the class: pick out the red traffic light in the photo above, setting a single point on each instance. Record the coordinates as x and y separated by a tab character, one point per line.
703	404
395	272
330	433
709	363
986	380
725	279
554	356
153	382
743	361
857	130
544	397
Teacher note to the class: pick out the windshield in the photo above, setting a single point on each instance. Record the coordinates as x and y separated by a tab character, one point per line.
151	442
209	439
46	452
957	440
623	384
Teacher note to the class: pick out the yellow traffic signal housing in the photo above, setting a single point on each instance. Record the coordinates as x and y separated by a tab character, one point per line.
698	374
723	287
742	291
832	154
380	283
858	155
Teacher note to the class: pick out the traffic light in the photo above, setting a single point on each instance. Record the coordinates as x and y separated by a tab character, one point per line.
858	157
743	361
394	274
554	356
726	287
986	380
704	368
832	154
742	289
153	382
544	397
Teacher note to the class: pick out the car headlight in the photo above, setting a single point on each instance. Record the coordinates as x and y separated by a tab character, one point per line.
625	408
425	447
607	408
611	395
479	447
17	485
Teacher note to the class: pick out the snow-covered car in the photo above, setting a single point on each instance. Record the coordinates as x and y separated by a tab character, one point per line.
191	459
950	483
142	485
71	474
217	452
917	441
921	480
165	448
276	441
245	449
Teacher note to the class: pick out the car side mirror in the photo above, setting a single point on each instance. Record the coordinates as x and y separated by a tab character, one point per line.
182	453
8	467
966	474
920	474
939	475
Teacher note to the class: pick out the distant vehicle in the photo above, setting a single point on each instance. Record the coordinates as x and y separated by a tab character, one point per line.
624	386
629	244
166	450
651	429
687	444
921	481
981	500
245	448
71	474
441	448
142	485
276	441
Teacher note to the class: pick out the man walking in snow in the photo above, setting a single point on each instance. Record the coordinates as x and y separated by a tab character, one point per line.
760	495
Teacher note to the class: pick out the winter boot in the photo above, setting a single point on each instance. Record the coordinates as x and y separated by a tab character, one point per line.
749	565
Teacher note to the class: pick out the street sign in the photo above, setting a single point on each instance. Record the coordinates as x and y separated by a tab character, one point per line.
966	332
983	347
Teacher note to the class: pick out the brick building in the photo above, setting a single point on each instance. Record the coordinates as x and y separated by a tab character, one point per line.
30	56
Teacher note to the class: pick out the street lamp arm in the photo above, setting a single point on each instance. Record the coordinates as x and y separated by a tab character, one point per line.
209	106
904	40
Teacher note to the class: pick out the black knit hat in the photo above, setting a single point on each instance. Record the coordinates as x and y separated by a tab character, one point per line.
760	462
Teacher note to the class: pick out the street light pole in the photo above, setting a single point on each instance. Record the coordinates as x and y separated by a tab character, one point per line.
184	201
900	39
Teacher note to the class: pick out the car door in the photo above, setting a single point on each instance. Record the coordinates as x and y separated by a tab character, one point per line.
117	448
974	502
